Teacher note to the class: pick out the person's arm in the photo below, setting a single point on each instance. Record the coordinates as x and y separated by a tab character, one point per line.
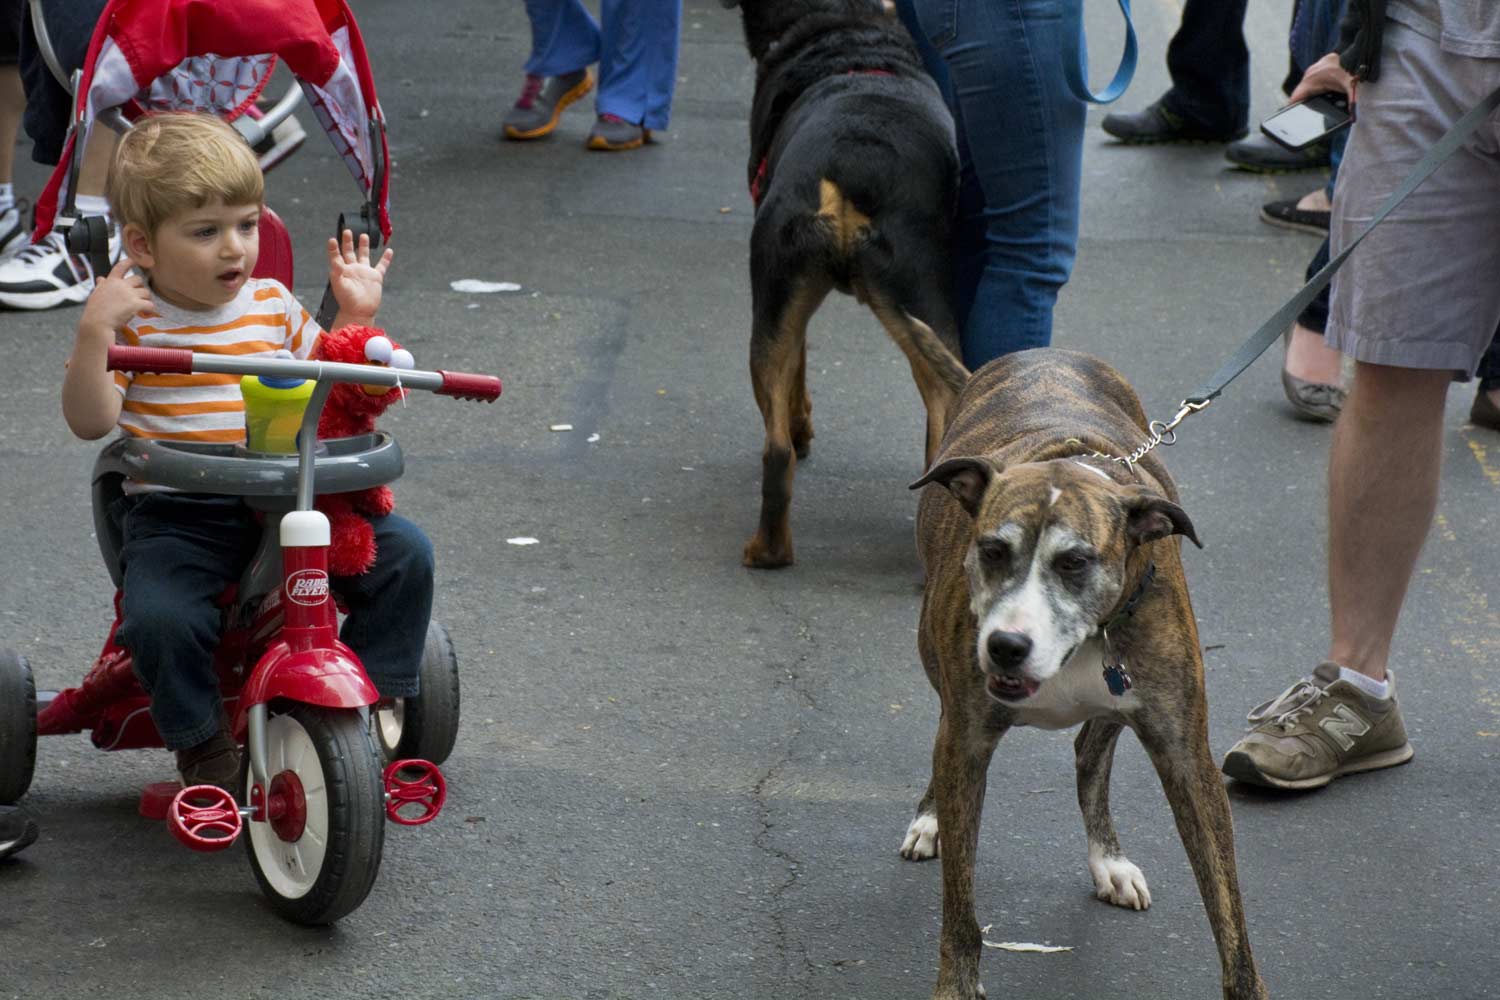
357	284
90	401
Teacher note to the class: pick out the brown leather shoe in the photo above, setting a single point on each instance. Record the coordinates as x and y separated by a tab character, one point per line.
215	761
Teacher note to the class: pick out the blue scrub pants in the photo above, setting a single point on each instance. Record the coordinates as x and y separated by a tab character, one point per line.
635	47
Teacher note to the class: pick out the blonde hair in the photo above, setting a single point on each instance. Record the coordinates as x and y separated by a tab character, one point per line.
172	163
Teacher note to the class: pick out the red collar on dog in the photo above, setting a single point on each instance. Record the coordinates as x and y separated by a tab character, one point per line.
758	182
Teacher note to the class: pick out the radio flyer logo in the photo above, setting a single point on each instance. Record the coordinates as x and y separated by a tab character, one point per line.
307	587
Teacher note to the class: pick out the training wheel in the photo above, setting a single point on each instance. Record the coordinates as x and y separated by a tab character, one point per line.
204	818
414	783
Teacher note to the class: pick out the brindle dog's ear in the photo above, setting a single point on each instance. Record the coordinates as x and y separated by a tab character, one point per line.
1149	516
965	478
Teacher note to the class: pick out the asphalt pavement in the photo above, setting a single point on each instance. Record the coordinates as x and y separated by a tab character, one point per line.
680	778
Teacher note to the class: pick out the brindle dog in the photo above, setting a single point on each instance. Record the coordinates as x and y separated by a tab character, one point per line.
854	172
1055	596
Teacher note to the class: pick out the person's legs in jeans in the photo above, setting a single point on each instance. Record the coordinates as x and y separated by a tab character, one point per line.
179	554
1021	148
638	60
1210	66
564	37
389	606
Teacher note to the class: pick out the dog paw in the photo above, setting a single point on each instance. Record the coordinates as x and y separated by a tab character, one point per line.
1118	881
921	841
760	555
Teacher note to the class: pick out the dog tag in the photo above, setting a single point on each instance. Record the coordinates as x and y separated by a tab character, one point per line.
1116	679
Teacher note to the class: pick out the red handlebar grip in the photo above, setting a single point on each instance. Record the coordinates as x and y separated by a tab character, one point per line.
168	360
461	385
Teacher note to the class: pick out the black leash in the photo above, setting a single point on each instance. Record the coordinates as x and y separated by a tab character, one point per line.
1272	329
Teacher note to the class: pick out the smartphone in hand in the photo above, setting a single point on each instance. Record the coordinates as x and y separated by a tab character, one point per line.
1299	125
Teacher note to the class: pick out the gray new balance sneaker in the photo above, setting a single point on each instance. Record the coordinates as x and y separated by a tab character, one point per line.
542	103
1316	730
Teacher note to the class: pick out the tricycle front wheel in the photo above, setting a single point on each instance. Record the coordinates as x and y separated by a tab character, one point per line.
426	726
316	849
17	726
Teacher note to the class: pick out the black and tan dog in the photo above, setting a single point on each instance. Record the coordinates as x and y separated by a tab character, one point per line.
1055	596
854	173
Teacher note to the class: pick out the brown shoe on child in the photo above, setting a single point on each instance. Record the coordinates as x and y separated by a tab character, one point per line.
215	761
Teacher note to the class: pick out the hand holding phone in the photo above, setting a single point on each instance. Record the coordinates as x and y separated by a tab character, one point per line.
1300	125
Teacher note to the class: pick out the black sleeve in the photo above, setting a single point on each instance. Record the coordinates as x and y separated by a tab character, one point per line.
1359	38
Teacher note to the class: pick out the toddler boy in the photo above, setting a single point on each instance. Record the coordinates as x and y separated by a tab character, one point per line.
186	191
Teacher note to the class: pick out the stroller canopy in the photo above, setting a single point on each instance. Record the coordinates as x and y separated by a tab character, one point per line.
216	56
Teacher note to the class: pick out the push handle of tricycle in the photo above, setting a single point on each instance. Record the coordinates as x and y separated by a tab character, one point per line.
461	385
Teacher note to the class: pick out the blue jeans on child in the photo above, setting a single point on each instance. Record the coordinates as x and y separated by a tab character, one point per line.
635	45
182	550
1020	147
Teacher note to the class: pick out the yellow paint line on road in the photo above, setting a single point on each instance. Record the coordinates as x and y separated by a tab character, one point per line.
1481	455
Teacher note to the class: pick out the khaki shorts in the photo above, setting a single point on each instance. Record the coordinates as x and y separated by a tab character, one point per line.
1423	290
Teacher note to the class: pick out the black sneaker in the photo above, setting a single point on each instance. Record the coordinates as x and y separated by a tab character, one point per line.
1261	155
17	829
1287	215
1157	125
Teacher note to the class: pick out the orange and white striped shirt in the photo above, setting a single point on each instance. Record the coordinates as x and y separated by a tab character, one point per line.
262	319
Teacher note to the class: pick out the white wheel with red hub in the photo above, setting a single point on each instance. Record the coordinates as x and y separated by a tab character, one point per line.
315	841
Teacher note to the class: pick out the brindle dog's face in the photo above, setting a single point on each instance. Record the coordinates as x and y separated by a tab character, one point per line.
1046	563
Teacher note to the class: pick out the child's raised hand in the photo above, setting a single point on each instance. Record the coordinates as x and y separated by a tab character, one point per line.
116	299
356	283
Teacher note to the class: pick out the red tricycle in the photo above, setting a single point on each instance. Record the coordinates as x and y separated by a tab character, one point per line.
317	790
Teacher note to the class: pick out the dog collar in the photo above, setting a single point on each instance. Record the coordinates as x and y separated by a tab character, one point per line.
1115	677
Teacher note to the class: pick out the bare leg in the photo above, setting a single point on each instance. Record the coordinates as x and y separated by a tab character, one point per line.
12	107
97	155
1382	491
1312	360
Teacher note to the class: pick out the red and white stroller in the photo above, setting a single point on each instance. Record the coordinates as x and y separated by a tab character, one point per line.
217	57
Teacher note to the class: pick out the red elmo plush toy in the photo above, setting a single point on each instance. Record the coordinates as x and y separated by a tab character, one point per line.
351	409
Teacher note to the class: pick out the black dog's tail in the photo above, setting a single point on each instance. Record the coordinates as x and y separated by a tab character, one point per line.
886	277
921	344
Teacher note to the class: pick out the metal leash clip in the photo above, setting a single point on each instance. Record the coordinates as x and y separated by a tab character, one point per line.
1161	433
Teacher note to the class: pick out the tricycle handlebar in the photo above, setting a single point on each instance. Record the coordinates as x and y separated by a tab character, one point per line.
174	360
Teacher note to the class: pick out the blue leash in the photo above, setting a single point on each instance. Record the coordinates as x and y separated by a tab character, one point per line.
1077	70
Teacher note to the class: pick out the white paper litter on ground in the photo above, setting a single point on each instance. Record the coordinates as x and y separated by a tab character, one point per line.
1045	949
593	437
560	427
475	285
520	541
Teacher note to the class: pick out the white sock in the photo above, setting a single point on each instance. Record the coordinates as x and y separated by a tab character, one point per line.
93	204
1373	688
7	197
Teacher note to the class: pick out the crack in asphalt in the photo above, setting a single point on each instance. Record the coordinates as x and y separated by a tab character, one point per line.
792	680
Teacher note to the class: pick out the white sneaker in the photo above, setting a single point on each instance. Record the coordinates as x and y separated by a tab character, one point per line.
44	275
13	231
